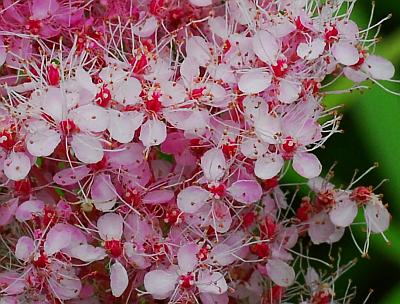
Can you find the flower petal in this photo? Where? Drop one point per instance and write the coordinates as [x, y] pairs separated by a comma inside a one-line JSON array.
[[280, 273], [269, 166], [307, 165], [213, 164], [153, 133], [87, 149], [160, 283], [254, 82], [118, 279], [17, 166], [110, 226], [192, 198], [245, 191], [24, 248]]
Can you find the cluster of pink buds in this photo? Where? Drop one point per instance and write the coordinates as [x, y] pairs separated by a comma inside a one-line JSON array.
[[144, 147]]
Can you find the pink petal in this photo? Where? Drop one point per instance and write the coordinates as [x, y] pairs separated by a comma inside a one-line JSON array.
[[187, 257], [88, 253], [158, 197], [280, 273], [70, 176], [90, 118], [160, 283], [197, 48], [25, 248], [65, 285], [118, 279], [87, 149], [127, 91], [211, 282], [344, 212], [42, 9], [213, 164], [289, 91], [378, 67], [3, 52], [28, 209], [208, 298], [200, 3], [268, 166], [377, 216], [267, 127], [17, 166], [321, 228], [254, 82], [345, 53], [189, 71], [57, 238], [222, 219], [246, 191], [110, 226], [311, 51], [85, 81], [265, 46], [192, 198], [53, 102], [123, 125], [146, 28], [307, 165], [7, 211], [102, 189], [153, 133], [132, 155], [43, 142]]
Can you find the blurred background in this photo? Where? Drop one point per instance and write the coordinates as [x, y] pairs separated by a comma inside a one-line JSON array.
[[371, 124]]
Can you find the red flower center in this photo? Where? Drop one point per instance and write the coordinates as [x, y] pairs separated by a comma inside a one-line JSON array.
[[114, 248]]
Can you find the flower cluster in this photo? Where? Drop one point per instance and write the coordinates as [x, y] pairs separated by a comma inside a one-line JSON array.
[[144, 147]]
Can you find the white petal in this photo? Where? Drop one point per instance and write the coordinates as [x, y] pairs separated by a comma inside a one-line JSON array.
[[42, 143], [90, 118], [187, 257], [87, 148], [311, 51], [123, 125], [265, 46], [110, 226], [377, 216], [269, 166], [192, 198], [200, 3], [57, 238], [345, 53], [213, 164], [254, 82], [17, 166], [321, 228], [245, 191], [211, 282], [146, 28], [118, 279], [280, 273], [25, 248], [344, 212], [288, 91], [378, 67], [127, 91], [198, 50], [307, 165], [160, 283], [153, 133]]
